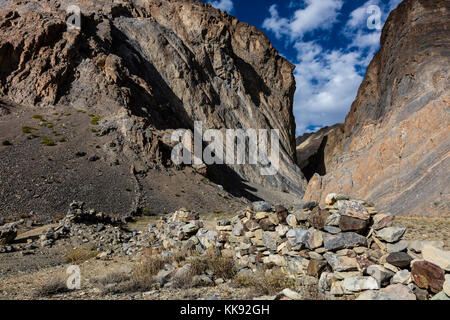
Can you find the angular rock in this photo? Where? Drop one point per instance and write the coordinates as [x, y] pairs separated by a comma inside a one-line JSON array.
[[441, 296], [297, 236], [379, 273], [347, 223], [282, 213], [341, 263], [8, 233], [427, 275], [391, 234], [343, 240], [270, 240], [400, 246], [261, 206], [402, 277], [307, 205], [333, 220], [332, 230], [282, 230], [437, 256], [289, 294], [316, 267], [353, 209], [399, 259], [357, 284], [382, 220], [291, 220], [238, 229], [314, 239], [317, 218], [267, 225], [252, 225]]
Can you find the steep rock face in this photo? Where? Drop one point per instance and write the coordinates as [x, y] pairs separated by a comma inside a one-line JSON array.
[[313, 150], [151, 67], [396, 143]]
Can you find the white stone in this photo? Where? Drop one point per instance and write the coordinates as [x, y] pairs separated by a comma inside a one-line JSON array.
[[357, 284], [437, 256]]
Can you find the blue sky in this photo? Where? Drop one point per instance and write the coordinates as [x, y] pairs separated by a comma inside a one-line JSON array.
[[331, 42]]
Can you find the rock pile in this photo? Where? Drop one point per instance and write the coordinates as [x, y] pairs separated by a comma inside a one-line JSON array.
[[79, 227], [348, 247]]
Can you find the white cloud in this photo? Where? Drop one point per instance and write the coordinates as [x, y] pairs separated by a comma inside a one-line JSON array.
[[318, 14], [327, 82], [226, 5]]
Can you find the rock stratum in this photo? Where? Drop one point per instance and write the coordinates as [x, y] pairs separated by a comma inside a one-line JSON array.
[[395, 146], [149, 67]]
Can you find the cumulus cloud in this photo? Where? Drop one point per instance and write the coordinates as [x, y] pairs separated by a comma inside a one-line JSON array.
[[317, 14], [226, 5], [328, 79], [327, 82]]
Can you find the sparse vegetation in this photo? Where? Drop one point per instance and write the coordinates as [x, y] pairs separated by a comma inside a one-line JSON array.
[[265, 283], [38, 117], [54, 286], [63, 139], [95, 119], [81, 254], [48, 142], [26, 129], [6, 143]]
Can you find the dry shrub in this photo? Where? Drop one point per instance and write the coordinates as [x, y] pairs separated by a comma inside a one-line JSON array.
[[265, 283], [54, 286], [81, 254]]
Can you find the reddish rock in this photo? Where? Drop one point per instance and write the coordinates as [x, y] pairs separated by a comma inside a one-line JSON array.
[[427, 275], [267, 225]]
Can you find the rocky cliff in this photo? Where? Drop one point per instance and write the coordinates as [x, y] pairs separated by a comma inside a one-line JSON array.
[[148, 67], [395, 146]]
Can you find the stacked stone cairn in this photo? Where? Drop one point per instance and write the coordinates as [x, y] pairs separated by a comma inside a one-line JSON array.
[[348, 247]]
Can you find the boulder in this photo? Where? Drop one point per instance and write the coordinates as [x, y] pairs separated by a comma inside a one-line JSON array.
[[391, 234], [270, 240], [427, 275]]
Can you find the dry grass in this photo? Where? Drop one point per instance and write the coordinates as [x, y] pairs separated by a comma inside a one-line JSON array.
[[81, 254], [424, 228], [54, 286], [265, 283]]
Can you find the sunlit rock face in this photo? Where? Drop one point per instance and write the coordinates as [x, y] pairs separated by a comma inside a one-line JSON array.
[[152, 66], [395, 146]]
